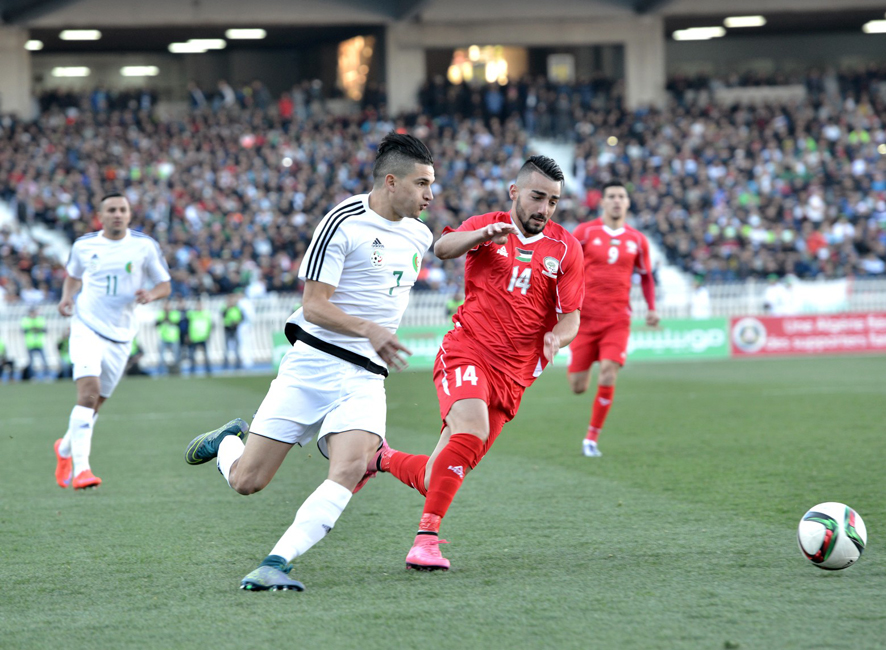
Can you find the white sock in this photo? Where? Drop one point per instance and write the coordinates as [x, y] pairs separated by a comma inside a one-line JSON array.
[[80, 430], [229, 450], [314, 519], [64, 449]]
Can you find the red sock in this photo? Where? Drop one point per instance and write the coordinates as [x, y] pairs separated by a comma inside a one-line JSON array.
[[602, 402], [462, 453], [409, 469]]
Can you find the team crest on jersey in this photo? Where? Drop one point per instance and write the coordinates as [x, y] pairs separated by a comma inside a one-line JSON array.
[[128, 267], [596, 241], [632, 246], [93, 263], [552, 265], [377, 259]]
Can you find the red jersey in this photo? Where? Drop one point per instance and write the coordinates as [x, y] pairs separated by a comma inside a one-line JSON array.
[[514, 291], [610, 259]]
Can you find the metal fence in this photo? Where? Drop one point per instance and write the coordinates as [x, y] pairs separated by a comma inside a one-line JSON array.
[[267, 314]]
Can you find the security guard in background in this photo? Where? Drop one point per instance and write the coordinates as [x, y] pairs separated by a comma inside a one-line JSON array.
[[199, 329], [65, 367], [232, 316], [452, 305], [34, 329], [6, 362], [170, 337]]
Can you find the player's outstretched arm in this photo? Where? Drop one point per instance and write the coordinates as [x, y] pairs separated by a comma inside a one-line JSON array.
[[160, 291], [456, 244], [562, 334], [319, 311], [70, 288]]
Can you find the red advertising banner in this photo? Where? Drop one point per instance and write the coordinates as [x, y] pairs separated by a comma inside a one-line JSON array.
[[826, 334]]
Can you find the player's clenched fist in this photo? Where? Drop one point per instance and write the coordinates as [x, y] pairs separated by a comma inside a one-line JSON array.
[[66, 307], [143, 296], [498, 232], [552, 346]]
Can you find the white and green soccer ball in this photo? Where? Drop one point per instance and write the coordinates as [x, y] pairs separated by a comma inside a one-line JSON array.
[[832, 536]]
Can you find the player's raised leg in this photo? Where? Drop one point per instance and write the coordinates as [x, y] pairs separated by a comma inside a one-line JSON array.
[[409, 469], [249, 467], [449, 464], [204, 447], [349, 454]]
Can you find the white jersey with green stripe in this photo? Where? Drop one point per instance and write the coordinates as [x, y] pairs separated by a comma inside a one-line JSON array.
[[112, 270], [371, 261]]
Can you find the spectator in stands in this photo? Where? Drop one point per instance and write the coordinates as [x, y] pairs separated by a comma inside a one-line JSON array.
[[197, 98], [728, 192]]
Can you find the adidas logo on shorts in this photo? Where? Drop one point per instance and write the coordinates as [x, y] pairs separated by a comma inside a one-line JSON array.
[[458, 469]]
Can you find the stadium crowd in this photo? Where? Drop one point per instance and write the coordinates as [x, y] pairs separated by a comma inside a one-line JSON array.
[[233, 187]]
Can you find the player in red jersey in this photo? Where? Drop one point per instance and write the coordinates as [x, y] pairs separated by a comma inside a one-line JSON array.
[[613, 251], [523, 287]]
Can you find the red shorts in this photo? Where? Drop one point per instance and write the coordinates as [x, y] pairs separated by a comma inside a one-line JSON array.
[[604, 341], [461, 373]]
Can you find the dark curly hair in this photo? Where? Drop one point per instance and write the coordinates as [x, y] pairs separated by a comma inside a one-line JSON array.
[[397, 154]]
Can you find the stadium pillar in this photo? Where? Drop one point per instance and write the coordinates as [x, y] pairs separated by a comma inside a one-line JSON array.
[[405, 69], [645, 66], [15, 73]]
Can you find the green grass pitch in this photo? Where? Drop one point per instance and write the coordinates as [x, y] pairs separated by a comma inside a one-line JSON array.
[[683, 535]]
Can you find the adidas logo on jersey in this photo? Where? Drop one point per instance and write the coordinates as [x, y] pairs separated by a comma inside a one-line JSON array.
[[458, 469], [503, 251], [377, 244], [596, 241]]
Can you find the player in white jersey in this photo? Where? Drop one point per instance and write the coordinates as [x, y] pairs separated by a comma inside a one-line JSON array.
[[363, 259], [107, 275]]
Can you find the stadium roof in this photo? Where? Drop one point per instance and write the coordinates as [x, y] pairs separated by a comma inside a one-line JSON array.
[[58, 13]]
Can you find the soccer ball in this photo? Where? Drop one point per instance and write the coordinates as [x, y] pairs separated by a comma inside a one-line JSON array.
[[832, 536]]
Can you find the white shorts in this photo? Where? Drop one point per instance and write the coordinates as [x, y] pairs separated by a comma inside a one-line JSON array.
[[316, 393], [95, 356]]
